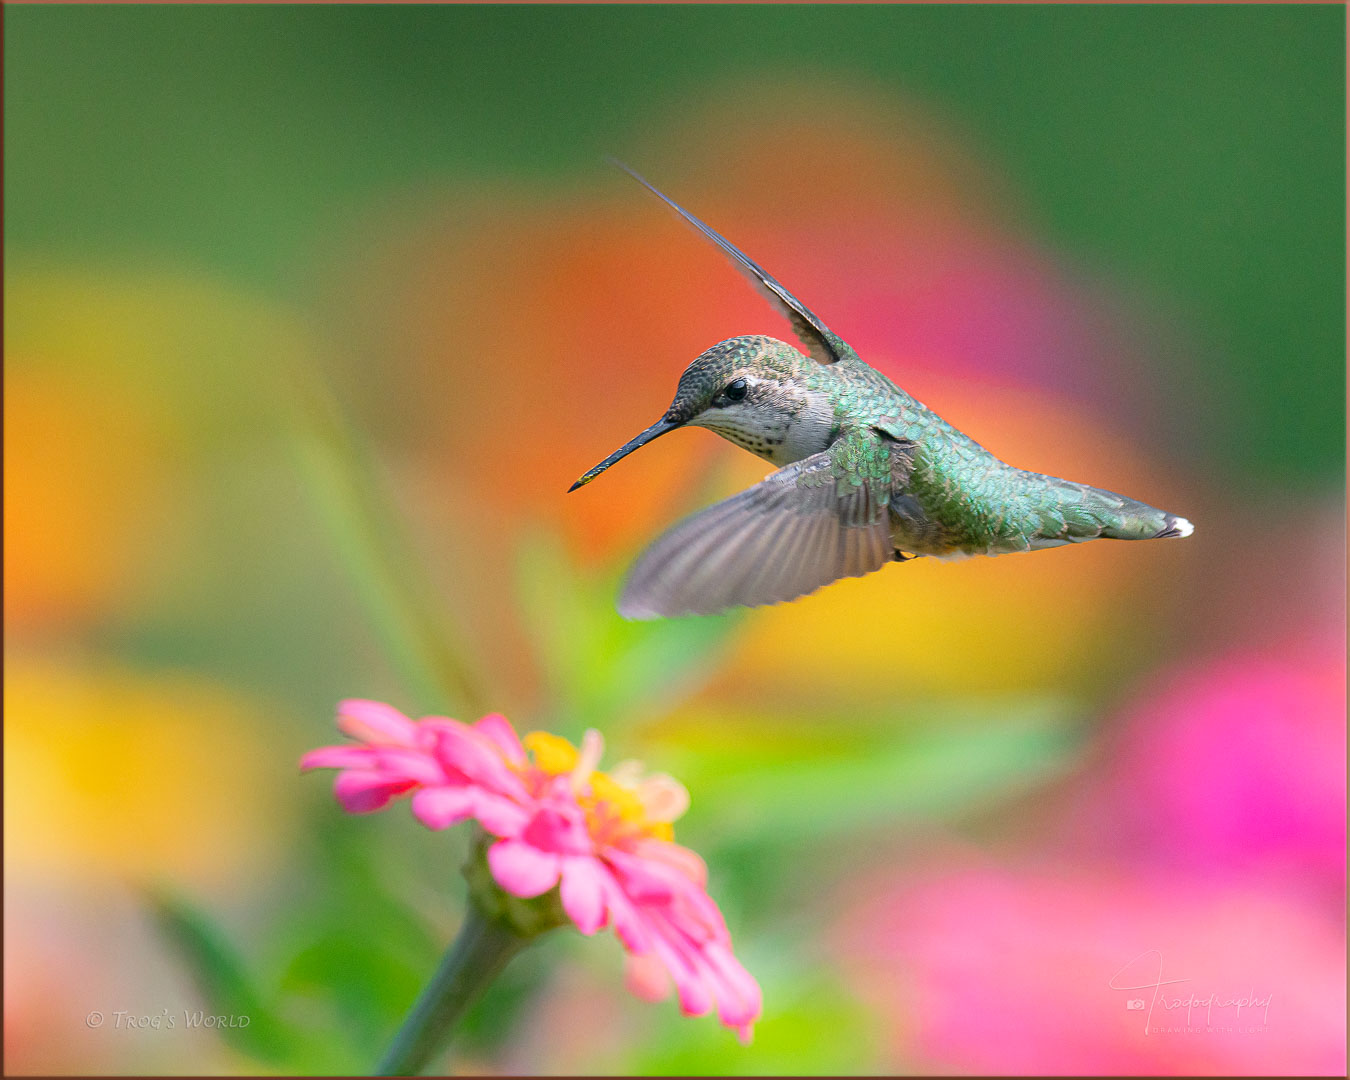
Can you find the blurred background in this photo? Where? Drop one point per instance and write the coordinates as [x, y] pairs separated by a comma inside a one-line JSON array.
[[313, 314]]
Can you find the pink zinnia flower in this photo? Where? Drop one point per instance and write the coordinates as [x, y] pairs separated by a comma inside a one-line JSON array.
[[1234, 767], [606, 841]]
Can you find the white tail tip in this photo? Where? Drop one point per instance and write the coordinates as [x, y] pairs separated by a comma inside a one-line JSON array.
[[1183, 527]]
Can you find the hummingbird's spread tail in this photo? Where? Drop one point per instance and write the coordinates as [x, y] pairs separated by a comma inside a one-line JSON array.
[[1176, 526], [1079, 512]]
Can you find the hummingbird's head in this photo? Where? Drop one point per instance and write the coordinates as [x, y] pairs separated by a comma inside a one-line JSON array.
[[750, 390]]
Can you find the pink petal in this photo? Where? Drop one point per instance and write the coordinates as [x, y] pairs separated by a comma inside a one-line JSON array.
[[362, 792], [560, 827], [645, 881], [521, 869], [497, 728], [673, 855], [375, 723], [441, 807], [695, 999], [693, 911], [663, 797], [656, 873], [409, 764], [646, 976], [738, 996], [588, 758], [473, 753], [629, 925], [337, 757], [583, 892], [499, 815]]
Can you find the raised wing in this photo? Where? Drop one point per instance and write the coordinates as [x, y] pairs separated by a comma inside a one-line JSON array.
[[820, 343], [812, 522]]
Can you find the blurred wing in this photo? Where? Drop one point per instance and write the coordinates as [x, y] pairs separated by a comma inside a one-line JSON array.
[[800, 528], [820, 343]]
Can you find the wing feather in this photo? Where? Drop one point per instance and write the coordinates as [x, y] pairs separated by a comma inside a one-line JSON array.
[[795, 531], [821, 344]]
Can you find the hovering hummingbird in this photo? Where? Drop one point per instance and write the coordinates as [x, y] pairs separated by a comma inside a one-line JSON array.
[[867, 475]]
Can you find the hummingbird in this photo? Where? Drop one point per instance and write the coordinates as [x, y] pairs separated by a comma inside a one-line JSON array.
[[866, 475]]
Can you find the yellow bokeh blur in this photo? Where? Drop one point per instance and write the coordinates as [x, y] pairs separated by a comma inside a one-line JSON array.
[[87, 479], [117, 388], [115, 774]]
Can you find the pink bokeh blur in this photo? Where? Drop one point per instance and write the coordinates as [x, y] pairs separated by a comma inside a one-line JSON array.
[[1206, 844]]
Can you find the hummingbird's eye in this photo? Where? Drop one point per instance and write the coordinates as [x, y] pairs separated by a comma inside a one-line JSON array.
[[736, 390]]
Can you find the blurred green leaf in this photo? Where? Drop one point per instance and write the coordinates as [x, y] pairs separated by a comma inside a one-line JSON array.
[[1208, 165], [346, 490], [367, 985], [604, 671], [811, 1026], [855, 772], [221, 978]]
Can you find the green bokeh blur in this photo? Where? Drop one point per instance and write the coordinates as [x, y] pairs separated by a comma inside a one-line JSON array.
[[1190, 148]]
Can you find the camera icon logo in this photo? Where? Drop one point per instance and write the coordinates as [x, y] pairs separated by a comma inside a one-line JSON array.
[[1135, 1004]]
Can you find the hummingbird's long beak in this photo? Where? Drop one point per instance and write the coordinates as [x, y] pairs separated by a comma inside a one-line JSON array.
[[655, 431]]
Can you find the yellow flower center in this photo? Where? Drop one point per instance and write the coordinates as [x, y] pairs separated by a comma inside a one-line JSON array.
[[613, 809]]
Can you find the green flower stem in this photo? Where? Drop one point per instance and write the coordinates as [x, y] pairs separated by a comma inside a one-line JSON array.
[[482, 949]]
